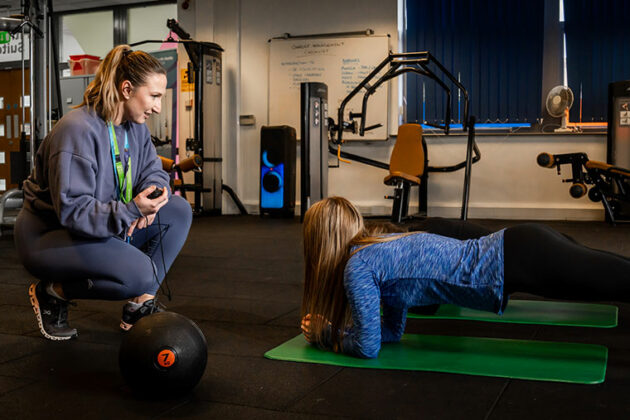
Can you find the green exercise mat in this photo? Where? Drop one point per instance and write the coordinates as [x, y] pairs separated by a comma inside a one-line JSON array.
[[506, 358], [535, 312]]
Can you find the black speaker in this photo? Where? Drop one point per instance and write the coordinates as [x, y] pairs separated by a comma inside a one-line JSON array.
[[277, 170]]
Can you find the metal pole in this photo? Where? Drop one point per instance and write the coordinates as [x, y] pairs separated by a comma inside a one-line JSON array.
[[45, 86], [469, 150], [31, 42], [38, 73], [23, 67], [48, 67], [54, 54], [198, 136]]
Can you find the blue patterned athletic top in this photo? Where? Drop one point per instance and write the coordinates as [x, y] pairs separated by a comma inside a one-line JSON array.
[[415, 270]]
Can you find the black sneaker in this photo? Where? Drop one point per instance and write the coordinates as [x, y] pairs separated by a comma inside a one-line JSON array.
[[51, 313], [130, 316]]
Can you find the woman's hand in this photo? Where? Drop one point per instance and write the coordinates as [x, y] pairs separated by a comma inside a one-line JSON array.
[[147, 206], [140, 223], [306, 327]]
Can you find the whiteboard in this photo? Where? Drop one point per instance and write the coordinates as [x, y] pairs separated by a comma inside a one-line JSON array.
[[341, 63]]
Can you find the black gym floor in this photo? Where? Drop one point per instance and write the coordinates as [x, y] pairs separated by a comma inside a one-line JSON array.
[[239, 278]]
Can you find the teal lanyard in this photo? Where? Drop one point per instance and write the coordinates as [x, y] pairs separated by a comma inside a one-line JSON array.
[[122, 177]]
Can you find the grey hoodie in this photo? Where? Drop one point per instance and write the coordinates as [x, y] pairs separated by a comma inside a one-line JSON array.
[[74, 174]]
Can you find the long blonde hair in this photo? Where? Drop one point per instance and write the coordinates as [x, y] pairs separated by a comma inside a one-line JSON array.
[[332, 227], [120, 64]]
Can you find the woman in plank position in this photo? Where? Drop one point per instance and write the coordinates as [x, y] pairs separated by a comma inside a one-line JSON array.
[[350, 271]]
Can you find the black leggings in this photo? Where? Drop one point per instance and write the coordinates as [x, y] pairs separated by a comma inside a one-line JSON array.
[[544, 262], [110, 268], [541, 261]]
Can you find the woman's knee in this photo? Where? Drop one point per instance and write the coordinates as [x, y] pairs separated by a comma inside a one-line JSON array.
[[133, 276], [179, 212], [144, 282]]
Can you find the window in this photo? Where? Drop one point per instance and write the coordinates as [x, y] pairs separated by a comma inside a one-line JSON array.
[[86, 33], [494, 47], [137, 18], [597, 53], [96, 32]]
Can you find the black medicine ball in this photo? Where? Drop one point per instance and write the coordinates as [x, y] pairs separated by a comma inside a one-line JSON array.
[[164, 354]]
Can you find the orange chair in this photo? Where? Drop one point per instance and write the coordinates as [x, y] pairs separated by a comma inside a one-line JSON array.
[[407, 167]]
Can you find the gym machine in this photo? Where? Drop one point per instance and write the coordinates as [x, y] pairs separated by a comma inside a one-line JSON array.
[[36, 21], [193, 163], [610, 184], [205, 71], [419, 63], [314, 148]]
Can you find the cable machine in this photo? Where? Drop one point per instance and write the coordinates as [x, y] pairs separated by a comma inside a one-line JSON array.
[[205, 71], [43, 62]]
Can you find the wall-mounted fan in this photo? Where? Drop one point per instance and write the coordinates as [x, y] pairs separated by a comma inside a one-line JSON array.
[[559, 101]]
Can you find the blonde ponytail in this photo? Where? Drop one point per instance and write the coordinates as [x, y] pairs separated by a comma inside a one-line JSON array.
[[120, 64]]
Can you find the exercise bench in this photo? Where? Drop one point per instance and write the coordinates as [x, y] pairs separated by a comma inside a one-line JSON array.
[[610, 184]]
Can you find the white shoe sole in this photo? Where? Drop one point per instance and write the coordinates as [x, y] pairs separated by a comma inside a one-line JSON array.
[[35, 304]]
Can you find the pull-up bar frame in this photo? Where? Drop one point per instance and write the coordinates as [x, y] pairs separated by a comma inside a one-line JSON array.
[[401, 63]]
